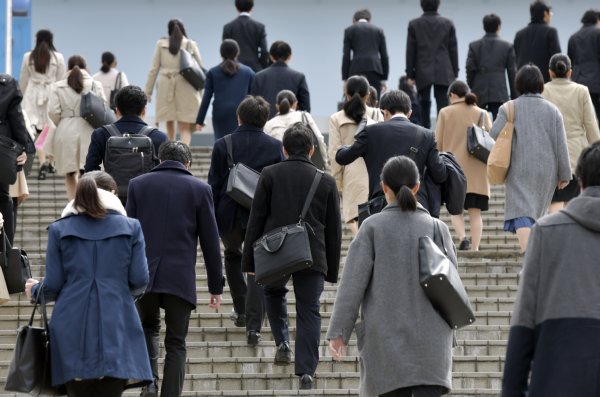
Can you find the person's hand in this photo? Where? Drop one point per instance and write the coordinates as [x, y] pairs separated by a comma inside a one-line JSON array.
[[199, 127], [22, 158], [29, 285], [562, 184], [337, 348], [251, 274], [215, 302], [411, 81], [149, 97]]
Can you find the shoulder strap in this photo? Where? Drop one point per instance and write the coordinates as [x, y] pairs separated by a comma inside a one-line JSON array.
[[229, 145], [112, 130], [304, 118], [311, 193], [510, 111], [118, 81], [146, 130], [414, 149], [482, 119]]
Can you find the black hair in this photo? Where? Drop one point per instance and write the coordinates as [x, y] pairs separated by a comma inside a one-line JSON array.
[[86, 196], [229, 52], [406, 87], [362, 14], [357, 87], [131, 100], [373, 98], [280, 50], [560, 64], [41, 53], [588, 166], [537, 9], [401, 174], [175, 151], [254, 111], [430, 5], [298, 140], [75, 79], [176, 32], [107, 60], [284, 100], [529, 80], [590, 17], [462, 90], [395, 101], [491, 23], [244, 5]]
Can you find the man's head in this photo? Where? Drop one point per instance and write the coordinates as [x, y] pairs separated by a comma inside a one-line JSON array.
[[175, 151], [588, 166], [491, 23], [590, 17], [280, 51], [131, 100], [362, 14], [254, 111], [298, 141], [540, 12], [430, 5], [394, 102], [244, 5]]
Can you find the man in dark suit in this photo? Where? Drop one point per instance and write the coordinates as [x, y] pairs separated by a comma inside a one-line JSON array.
[[395, 136], [538, 41], [250, 36], [175, 210], [431, 57], [279, 76], [278, 201], [489, 61], [255, 149], [365, 52]]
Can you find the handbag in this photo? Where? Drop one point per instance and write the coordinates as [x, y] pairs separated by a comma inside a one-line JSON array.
[[371, 207], [9, 151], [242, 180], [317, 158], [190, 70], [113, 92], [285, 250], [479, 141], [499, 160], [15, 266], [441, 282], [95, 111], [29, 370]]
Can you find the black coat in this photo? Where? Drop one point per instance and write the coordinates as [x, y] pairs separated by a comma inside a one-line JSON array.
[[278, 202], [536, 43], [250, 146], [12, 124], [279, 76], [584, 51], [489, 61], [431, 50], [252, 39], [378, 142], [364, 51]]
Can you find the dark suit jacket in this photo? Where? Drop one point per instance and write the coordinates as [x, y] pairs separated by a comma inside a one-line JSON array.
[[250, 146], [252, 39], [489, 60], [278, 202], [175, 209], [12, 124], [536, 43], [378, 142], [584, 51], [431, 50], [364, 51], [279, 76]]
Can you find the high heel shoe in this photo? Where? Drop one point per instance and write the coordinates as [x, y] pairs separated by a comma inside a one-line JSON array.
[[43, 172], [51, 168]]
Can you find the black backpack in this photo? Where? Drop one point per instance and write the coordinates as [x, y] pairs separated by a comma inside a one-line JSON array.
[[128, 155]]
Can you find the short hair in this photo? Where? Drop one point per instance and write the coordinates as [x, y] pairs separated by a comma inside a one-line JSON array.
[[491, 23], [254, 111], [244, 5], [362, 14], [298, 140], [529, 80], [430, 5], [537, 9], [588, 166], [175, 151], [131, 100], [280, 50], [395, 101], [590, 17]]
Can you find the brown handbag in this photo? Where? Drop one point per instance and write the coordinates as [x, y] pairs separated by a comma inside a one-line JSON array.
[[500, 155]]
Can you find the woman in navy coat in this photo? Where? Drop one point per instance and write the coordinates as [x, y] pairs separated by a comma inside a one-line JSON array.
[[229, 82], [95, 264]]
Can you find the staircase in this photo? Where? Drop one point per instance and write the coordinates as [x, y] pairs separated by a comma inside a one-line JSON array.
[[220, 363]]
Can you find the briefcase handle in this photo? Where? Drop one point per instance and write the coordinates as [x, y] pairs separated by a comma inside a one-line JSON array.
[[265, 242]]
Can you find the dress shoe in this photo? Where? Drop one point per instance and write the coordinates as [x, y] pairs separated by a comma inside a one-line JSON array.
[[238, 319], [465, 244], [150, 391], [306, 382], [253, 338], [283, 356], [44, 169], [51, 168]]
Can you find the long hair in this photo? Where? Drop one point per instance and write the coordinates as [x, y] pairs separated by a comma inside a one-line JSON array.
[[87, 199], [176, 32], [357, 87], [41, 53], [75, 79], [400, 174], [229, 52], [462, 90], [285, 100], [107, 60]]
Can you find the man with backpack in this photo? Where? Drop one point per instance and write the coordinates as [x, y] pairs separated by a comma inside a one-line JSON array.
[[129, 147]]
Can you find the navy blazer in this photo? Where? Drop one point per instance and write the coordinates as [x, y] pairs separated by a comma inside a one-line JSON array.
[[176, 209], [252, 39], [364, 51], [250, 146], [536, 43]]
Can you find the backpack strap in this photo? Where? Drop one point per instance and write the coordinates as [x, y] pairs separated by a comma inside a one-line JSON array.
[[229, 146], [414, 149], [146, 130], [112, 130], [311, 193]]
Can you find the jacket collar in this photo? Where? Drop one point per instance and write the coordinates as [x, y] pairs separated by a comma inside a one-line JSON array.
[[491, 35], [108, 200], [248, 128], [171, 165], [431, 13], [304, 159], [131, 119], [280, 64], [585, 209], [559, 80]]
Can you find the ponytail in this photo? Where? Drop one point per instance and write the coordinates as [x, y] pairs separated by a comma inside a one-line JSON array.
[[230, 67], [229, 52], [108, 58], [355, 108], [75, 79], [87, 199], [284, 106], [470, 99], [560, 64], [462, 90], [176, 34], [400, 174], [406, 199], [285, 100]]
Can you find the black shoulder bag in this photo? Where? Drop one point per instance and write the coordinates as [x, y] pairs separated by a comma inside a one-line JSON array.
[[15, 266], [479, 141], [242, 180], [190, 70], [94, 110]]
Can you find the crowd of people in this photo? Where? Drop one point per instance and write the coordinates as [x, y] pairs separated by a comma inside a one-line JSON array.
[[382, 156]]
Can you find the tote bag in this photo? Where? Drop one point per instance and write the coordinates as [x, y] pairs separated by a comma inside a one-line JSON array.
[[500, 155]]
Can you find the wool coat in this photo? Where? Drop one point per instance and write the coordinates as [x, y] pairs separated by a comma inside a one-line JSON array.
[[584, 51], [176, 99], [536, 43], [451, 136], [70, 141], [402, 340], [575, 104], [352, 180], [539, 157], [36, 87], [554, 345]]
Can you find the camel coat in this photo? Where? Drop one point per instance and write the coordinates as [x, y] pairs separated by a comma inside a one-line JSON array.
[[70, 141], [451, 136], [176, 99], [352, 180]]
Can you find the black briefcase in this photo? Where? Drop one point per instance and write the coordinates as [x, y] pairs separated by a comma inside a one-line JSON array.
[[15, 266], [95, 111], [190, 70], [479, 141], [242, 180], [9, 151]]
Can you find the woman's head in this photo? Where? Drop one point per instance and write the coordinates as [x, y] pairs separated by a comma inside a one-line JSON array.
[[285, 101], [86, 196], [529, 80], [41, 53], [373, 98], [75, 79], [588, 166], [176, 32], [357, 91], [400, 181], [229, 52], [560, 66], [108, 61], [461, 90]]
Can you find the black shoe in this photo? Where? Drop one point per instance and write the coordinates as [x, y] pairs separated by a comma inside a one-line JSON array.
[[253, 338], [150, 391], [238, 319], [283, 356], [465, 244], [51, 168], [43, 171], [306, 382]]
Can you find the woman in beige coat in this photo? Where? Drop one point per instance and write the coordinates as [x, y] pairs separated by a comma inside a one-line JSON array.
[[451, 136], [70, 141], [352, 180], [575, 104], [176, 99]]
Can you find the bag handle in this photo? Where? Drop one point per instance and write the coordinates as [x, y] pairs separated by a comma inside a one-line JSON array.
[[482, 119], [311, 194], [265, 244], [229, 146], [41, 300]]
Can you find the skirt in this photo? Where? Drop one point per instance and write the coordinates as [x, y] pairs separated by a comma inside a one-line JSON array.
[[512, 225], [568, 193], [474, 200]]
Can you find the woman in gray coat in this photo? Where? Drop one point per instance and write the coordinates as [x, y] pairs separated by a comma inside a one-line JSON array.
[[539, 160], [404, 344]]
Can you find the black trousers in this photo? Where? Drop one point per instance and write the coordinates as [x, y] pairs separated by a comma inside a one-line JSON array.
[[417, 391], [308, 286], [177, 320], [105, 387], [596, 102], [374, 80], [493, 108], [6, 208], [440, 92]]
